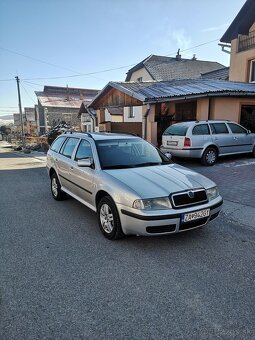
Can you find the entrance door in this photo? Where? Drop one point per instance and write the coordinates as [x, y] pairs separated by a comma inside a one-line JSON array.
[[248, 117]]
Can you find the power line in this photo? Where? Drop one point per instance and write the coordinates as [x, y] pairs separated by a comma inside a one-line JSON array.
[[90, 73], [27, 93]]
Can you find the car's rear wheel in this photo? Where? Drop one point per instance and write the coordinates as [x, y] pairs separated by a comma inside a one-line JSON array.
[[209, 156], [108, 219], [56, 191]]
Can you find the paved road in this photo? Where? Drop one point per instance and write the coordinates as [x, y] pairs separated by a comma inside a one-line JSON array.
[[61, 279], [235, 177]]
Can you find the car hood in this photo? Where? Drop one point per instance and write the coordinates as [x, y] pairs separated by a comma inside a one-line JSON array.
[[160, 181]]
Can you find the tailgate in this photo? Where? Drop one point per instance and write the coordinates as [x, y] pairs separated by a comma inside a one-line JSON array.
[[173, 142]]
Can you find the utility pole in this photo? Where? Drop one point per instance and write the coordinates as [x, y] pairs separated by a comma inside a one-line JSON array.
[[20, 112]]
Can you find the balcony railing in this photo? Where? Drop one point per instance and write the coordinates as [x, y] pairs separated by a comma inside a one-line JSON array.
[[246, 42]]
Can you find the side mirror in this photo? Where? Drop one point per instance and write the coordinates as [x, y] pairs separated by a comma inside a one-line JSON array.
[[168, 155], [248, 132], [85, 163]]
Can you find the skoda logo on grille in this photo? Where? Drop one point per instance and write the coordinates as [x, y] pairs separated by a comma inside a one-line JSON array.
[[191, 194]]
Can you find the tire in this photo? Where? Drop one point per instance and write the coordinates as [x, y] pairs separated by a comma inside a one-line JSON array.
[[56, 191], [108, 219], [209, 157]]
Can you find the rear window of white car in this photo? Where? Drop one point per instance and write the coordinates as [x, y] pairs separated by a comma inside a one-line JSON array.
[[219, 128], [176, 130]]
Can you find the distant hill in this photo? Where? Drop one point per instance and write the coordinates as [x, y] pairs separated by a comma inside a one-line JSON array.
[[6, 119]]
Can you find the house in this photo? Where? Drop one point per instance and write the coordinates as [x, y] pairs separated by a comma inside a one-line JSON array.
[[30, 122], [166, 102], [57, 104], [167, 90], [162, 68], [240, 38], [170, 68]]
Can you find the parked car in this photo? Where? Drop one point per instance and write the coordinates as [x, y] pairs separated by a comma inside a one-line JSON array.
[[133, 187], [207, 140]]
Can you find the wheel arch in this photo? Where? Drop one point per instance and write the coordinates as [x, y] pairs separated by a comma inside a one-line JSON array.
[[52, 171], [99, 195], [211, 146]]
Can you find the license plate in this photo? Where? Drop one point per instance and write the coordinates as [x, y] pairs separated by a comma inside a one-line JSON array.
[[172, 143], [196, 215]]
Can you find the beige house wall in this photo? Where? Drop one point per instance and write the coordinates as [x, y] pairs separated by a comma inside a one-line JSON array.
[[141, 73], [202, 108], [240, 61], [229, 108]]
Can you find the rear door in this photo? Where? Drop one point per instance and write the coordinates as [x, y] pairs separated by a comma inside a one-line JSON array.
[[65, 162], [174, 136], [242, 140], [83, 177], [222, 138]]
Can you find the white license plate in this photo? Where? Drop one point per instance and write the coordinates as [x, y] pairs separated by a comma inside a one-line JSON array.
[[196, 215], [172, 143]]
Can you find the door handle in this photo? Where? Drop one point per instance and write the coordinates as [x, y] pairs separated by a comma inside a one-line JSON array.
[[71, 167]]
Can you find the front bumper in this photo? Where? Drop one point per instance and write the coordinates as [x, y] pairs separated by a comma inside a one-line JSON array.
[[139, 222]]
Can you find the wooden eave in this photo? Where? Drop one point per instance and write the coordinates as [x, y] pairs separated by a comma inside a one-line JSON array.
[[112, 97]]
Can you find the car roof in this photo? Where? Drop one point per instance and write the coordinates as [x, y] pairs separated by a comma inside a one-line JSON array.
[[193, 122], [100, 135]]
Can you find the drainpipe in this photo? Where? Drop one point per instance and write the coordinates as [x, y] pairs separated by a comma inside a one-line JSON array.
[[209, 109], [145, 121]]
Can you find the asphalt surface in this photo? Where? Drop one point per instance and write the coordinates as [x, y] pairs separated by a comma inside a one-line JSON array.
[[61, 279]]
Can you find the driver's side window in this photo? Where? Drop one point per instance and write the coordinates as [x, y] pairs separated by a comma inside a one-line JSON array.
[[84, 151]]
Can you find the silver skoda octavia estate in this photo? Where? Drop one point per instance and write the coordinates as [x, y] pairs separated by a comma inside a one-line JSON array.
[[131, 185]]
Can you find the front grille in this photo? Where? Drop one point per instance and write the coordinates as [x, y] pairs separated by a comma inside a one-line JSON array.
[[189, 198], [193, 224], [161, 229]]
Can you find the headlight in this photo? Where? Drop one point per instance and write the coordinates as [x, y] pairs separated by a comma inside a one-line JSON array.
[[152, 204], [212, 193]]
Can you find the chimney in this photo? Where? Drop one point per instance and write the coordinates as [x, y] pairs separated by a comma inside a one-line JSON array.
[[178, 56], [194, 57]]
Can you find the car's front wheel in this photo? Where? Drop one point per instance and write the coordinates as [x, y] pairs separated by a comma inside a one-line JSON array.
[[56, 191], [108, 219], [209, 156]]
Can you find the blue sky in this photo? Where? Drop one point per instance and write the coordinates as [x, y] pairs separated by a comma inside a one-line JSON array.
[[80, 36]]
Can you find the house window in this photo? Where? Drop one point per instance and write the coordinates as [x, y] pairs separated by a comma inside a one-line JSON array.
[[131, 112], [252, 71], [140, 79]]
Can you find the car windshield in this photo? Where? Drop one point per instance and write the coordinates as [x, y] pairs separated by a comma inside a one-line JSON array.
[[176, 130], [128, 153]]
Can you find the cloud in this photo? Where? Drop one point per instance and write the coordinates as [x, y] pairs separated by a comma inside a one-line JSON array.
[[216, 28], [180, 37]]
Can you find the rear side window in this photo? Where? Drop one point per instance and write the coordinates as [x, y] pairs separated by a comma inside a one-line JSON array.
[[69, 147], [236, 128], [219, 128], [56, 145], [202, 129], [176, 130]]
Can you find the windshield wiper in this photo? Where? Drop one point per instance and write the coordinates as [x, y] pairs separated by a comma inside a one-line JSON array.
[[147, 164], [118, 166]]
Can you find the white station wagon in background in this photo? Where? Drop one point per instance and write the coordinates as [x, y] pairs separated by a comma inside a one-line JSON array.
[[132, 186], [207, 140]]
